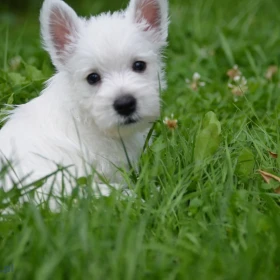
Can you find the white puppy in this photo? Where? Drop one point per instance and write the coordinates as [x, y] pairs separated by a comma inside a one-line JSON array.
[[105, 91]]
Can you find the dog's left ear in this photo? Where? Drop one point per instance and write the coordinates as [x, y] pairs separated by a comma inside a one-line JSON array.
[[151, 15], [59, 28]]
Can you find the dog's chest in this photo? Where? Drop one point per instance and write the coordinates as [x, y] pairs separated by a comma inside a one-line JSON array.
[[105, 154]]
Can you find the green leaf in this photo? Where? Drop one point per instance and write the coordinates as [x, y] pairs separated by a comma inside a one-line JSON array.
[[33, 73], [10, 100], [211, 118], [194, 206], [16, 78], [226, 46], [245, 163], [158, 145], [82, 181], [207, 139]]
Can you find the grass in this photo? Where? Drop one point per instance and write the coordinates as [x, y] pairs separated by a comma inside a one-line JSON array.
[[214, 216]]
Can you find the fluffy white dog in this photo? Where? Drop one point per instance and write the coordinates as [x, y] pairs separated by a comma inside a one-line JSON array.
[[105, 91]]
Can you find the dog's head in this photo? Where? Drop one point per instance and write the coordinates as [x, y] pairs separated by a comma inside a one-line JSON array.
[[112, 61]]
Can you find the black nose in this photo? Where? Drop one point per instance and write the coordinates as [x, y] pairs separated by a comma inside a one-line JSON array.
[[125, 105]]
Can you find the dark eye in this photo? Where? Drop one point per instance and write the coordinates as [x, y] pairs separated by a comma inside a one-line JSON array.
[[93, 78], [139, 66]]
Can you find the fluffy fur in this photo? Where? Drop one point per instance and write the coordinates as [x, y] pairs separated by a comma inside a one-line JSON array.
[[73, 123]]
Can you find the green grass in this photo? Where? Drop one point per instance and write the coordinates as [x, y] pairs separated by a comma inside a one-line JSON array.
[[214, 217]]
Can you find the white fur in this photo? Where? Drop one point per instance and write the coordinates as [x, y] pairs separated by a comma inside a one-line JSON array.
[[73, 123]]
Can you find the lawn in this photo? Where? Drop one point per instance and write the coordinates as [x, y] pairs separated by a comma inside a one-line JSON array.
[[203, 210]]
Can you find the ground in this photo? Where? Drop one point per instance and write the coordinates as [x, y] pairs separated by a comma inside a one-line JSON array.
[[214, 216]]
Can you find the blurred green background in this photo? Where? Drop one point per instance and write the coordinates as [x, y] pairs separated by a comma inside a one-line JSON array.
[[20, 6]]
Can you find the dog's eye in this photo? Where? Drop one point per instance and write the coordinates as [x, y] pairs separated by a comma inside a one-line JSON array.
[[139, 66], [93, 78]]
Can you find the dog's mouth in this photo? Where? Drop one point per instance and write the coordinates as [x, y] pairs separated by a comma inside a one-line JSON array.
[[136, 119], [129, 121]]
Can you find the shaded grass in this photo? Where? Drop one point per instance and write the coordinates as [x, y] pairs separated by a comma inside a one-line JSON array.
[[220, 222]]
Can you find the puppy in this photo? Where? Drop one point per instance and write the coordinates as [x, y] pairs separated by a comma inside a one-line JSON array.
[[98, 106]]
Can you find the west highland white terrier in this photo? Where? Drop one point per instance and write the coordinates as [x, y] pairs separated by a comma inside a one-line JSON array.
[[103, 97]]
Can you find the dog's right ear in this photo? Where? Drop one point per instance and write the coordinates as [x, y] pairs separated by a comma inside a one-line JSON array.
[[59, 30]]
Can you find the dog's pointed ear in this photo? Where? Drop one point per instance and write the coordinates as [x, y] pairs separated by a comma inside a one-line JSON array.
[[59, 30], [151, 15]]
